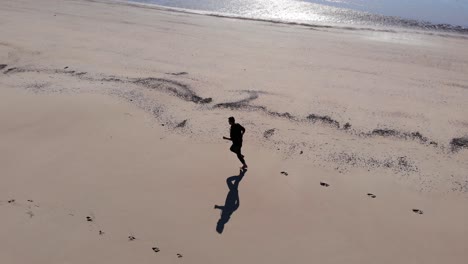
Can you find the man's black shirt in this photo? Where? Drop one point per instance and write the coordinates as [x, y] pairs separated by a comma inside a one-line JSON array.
[[236, 134]]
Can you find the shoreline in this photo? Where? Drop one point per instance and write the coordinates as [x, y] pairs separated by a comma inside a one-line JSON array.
[[413, 26]]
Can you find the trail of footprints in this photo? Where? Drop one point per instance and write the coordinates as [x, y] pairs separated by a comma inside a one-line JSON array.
[[371, 195], [156, 249], [88, 219]]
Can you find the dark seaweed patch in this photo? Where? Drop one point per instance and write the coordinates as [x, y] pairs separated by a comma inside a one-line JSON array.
[[177, 73], [417, 135], [3, 66], [11, 70], [324, 119], [182, 124], [283, 115], [111, 79], [242, 104], [458, 143], [385, 132], [180, 90], [268, 133], [405, 135]]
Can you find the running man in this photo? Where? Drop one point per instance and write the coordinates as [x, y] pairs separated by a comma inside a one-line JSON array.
[[237, 131]]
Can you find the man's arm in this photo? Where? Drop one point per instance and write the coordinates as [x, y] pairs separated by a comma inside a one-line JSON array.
[[242, 129], [226, 138]]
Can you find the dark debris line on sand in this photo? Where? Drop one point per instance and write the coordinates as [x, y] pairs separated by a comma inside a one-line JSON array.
[[186, 93], [405, 135], [244, 104], [179, 89], [324, 119], [399, 164], [11, 70], [177, 73]]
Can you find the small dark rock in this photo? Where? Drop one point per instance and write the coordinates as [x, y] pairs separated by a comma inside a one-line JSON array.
[[182, 124]]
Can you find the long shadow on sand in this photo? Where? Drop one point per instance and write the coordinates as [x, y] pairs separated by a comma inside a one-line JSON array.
[[232, 200]]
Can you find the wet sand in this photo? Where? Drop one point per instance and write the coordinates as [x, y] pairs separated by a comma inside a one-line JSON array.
[[112, 117]]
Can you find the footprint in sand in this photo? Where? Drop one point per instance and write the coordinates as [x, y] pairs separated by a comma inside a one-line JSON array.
[[371, 195], [11, 201], [89, 219], [30, 201], [101, 233], [324, 184], [284, 173], [179, 255], [131, 238], [417, 211], [155, 249], [30, 213]]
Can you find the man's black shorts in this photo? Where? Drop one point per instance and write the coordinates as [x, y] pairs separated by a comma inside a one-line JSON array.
[[236, 148]]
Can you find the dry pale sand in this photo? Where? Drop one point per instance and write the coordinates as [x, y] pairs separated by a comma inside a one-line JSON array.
[[111, 125]]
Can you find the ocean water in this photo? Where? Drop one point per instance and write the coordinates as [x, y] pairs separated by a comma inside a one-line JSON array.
[[447, 15]]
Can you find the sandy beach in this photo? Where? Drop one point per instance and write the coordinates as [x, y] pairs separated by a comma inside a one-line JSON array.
[[111, 151]]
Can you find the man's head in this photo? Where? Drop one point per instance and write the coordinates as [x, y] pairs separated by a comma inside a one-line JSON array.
[[231, 120]]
